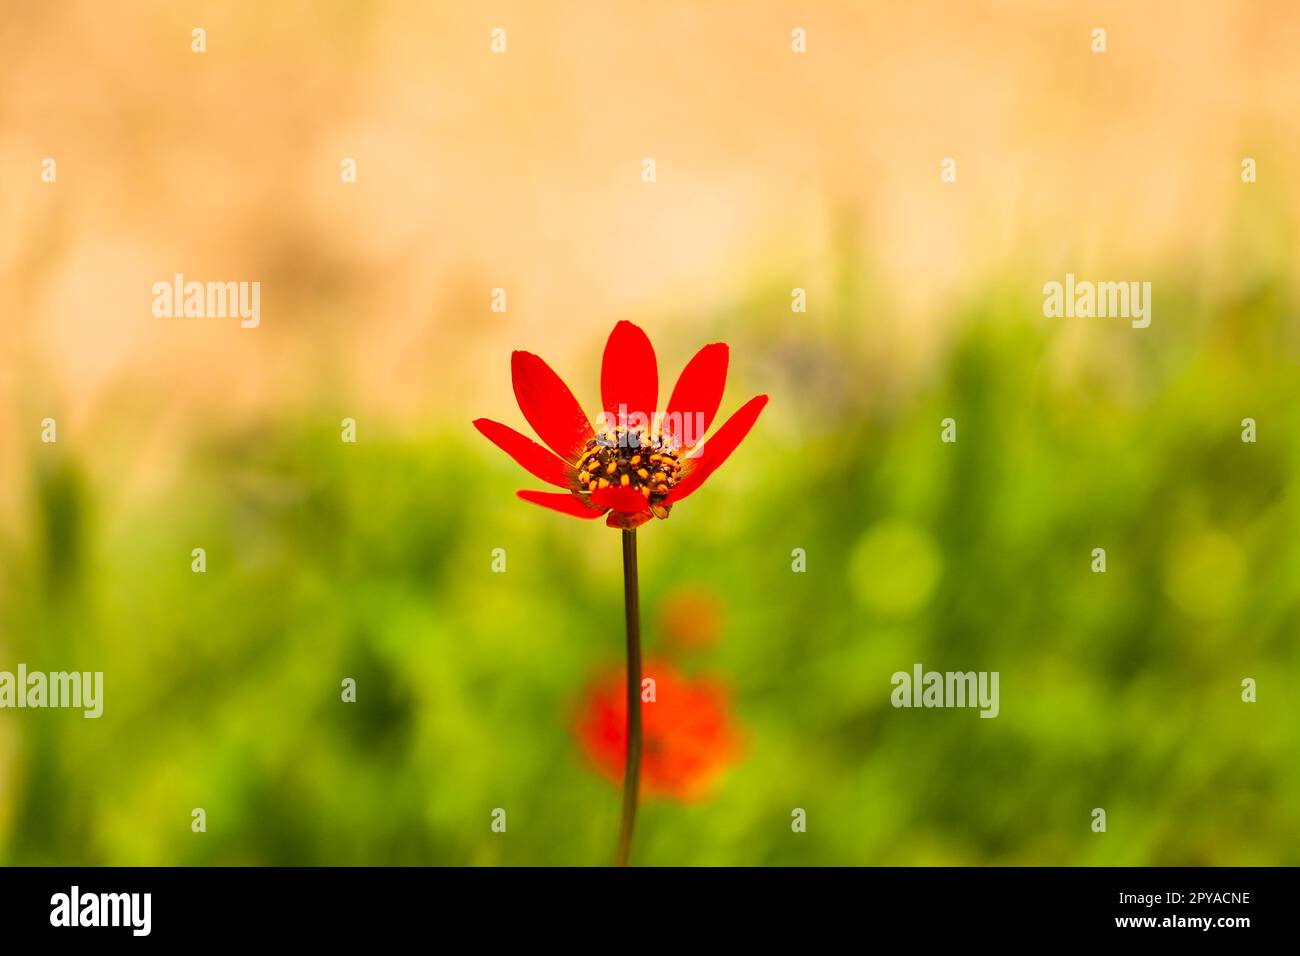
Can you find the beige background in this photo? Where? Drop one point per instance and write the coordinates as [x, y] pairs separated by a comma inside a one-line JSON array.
[[522, 171]]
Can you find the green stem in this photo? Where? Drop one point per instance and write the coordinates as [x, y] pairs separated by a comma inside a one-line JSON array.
[[632, 769]]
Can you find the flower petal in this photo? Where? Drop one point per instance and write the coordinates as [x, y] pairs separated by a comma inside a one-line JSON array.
[[719, 445], [627, 521], [697, 395], [629, 375], [549, 406], [531, 456], [565, 504], [620, 498]]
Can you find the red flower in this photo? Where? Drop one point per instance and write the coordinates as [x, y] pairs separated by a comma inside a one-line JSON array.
[[643, 460], [688, 736], [692, 617]]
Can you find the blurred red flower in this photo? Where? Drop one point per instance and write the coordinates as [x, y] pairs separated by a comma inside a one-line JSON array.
[[645, 459], [689, 736], [691, 617]]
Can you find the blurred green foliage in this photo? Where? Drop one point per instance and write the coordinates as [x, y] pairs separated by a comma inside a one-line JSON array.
[[373, 561]]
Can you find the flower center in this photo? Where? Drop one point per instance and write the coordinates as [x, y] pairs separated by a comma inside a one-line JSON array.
[[633, 459]]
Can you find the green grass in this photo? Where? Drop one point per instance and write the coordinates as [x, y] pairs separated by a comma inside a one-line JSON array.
[[373, 561]]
